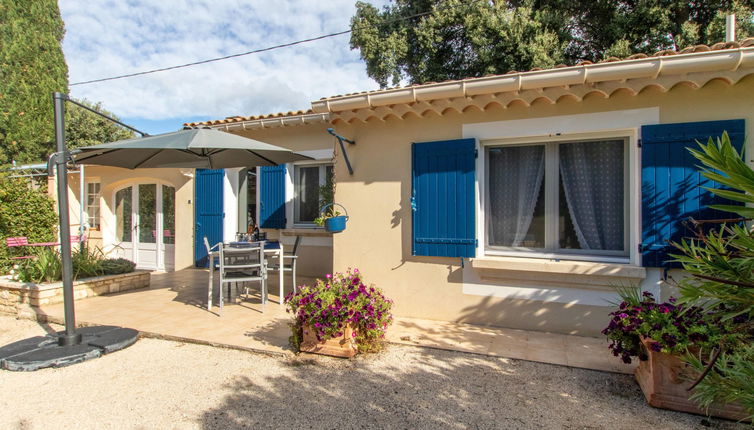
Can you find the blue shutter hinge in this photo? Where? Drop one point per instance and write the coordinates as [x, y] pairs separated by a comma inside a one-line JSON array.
[[413, 203], [476, 243], [638, 143], [461, 262], [641, 247], [476, 153]]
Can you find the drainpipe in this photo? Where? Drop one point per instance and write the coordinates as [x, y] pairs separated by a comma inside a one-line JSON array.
[[82, 197], [730, 28]]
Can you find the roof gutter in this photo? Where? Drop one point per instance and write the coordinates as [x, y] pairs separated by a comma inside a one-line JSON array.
[[651, 67], [282, 121]]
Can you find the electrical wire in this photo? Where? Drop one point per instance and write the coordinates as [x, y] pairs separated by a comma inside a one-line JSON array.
[[256, 51]]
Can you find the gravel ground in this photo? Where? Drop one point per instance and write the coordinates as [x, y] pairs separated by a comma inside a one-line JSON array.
[[169, 385]]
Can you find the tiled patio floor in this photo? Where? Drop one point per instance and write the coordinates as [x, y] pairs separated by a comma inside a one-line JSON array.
[[174, 307]]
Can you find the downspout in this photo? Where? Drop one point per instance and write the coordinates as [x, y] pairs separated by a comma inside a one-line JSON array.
[[82, 197]]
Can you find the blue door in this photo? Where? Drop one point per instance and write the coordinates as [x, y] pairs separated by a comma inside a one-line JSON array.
[[208, 204]]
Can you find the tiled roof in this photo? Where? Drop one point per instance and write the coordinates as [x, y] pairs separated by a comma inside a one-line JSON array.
[[691, 49], [236, 119], [321, 107]]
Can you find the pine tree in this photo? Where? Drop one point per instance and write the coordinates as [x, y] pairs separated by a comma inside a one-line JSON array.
[[32, 66]]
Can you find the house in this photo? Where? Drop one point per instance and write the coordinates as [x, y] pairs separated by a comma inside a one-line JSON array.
[[519, 200]]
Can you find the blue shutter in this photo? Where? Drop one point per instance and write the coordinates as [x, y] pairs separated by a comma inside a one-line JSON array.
[[442, 198], [671, 185], [272, 196], [208, 207]]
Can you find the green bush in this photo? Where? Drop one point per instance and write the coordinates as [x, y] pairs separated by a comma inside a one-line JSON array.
[[25, 210], [46, 266]]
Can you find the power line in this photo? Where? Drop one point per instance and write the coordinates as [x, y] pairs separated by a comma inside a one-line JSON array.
[[256, 51], [180, 66]]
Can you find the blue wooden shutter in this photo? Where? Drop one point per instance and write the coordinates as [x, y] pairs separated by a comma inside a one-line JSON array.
[[671, 185], [272, 196], [208, 211], [442, 198]]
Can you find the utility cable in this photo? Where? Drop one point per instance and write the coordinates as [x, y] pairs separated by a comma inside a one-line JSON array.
[[256, 51]]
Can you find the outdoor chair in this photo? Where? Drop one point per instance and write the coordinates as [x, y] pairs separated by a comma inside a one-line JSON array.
[[18, 242], [212, 254], [242, 264], [289, 262]]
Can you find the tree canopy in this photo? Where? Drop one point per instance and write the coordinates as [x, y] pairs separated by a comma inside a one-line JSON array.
[[436, 40], [83, 128], [32, 66]]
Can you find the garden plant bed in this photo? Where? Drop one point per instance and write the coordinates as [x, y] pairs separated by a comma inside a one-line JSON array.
[[16, 295], [664, 379]]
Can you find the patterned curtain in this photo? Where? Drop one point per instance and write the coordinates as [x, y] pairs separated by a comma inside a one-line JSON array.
[[515, 180], [592, 175]]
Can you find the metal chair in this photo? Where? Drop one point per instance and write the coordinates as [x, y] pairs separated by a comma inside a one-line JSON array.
[[289, 262], [243, 264], [212, 254]]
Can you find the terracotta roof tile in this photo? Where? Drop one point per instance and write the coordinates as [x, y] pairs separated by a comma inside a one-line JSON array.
[[233, 119], [691, 49]]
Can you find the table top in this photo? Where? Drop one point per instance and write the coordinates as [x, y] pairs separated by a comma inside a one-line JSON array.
[[268, 245]]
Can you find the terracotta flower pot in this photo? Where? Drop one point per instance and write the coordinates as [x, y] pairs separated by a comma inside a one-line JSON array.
[[664, 379], [342, 346]]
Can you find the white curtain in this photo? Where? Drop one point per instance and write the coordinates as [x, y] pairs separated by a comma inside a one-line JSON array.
[[592, 176], [515, 180]]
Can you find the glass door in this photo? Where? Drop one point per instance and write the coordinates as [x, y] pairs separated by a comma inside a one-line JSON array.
[[145, 225]]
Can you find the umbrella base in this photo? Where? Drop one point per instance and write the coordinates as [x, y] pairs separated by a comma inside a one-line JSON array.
[[58, 350]]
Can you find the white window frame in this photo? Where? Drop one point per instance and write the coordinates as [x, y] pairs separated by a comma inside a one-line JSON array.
[[294, 176], [552, 199], [625, 122], [98, 204]]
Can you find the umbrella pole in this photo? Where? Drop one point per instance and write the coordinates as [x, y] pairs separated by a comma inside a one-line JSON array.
[[70, 337]]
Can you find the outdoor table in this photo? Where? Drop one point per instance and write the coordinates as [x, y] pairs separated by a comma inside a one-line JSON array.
[[270, 248]]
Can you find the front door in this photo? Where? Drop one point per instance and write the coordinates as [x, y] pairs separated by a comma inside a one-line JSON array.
[[209, 212], [145, 225]]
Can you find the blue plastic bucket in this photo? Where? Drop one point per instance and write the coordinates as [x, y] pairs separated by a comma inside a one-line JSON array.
[[335, 224]]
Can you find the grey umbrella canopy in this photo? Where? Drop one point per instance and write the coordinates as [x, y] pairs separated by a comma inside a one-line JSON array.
[[201, 148]]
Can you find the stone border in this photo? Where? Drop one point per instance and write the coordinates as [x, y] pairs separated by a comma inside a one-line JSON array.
[[15, 297]]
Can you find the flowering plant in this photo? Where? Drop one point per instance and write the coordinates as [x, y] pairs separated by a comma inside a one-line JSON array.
[[341, 299], [673, 328]]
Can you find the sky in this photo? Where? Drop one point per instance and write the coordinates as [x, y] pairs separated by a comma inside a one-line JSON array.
[[115, 37]]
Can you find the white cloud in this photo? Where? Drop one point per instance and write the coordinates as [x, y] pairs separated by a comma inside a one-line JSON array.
[[115, 37]]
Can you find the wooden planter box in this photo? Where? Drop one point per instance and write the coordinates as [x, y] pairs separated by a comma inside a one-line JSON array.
[[343, 346], [664, 379]]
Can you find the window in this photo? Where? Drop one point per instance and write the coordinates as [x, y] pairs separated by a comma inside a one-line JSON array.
[[92, 204], [308, 183], [558, 198]]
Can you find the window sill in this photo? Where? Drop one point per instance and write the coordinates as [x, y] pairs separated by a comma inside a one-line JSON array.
[[313, 231], [563, 273]]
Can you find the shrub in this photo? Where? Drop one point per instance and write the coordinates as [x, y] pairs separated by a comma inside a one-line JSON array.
[[25, 210], [338, 300], [47, 265], [116, 266]]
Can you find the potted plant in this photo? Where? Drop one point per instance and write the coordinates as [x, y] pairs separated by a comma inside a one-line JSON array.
[[660, 335], [331, 218], [339, 316]]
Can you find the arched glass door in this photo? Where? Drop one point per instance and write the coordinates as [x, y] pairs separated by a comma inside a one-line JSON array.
[[145, 225]]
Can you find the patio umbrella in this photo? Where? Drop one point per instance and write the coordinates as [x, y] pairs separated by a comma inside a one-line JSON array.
[[201, 148]]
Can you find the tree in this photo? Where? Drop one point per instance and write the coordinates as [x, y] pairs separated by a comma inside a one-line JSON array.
[[83, 128], [32, 66], [435, 40]]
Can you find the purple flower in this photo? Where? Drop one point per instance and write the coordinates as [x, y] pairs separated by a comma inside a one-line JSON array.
[[655, 346]]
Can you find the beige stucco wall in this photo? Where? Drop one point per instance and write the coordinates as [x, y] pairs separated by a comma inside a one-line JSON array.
[[112, 179], [315, 251], [378, 237]]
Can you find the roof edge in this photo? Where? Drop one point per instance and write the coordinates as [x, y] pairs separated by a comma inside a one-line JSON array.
[[650, 67]]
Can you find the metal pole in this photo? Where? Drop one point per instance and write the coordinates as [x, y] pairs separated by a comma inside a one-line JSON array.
[[70, 337], [730, 28]]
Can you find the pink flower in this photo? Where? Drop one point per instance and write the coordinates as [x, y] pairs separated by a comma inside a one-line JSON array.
[[328, 276]]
